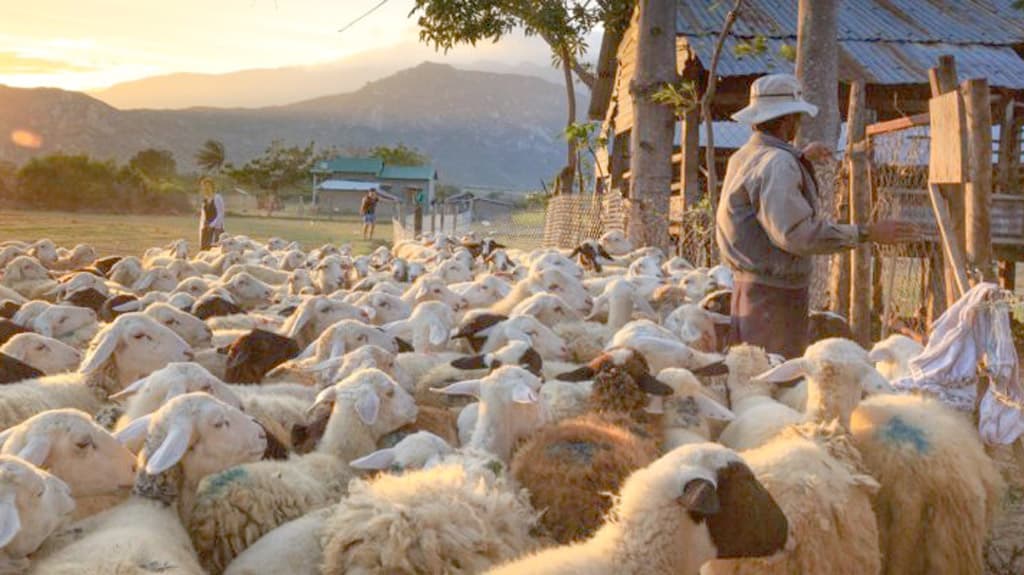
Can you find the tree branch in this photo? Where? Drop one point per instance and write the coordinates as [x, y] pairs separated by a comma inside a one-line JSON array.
[[705, 104], [584, 75]]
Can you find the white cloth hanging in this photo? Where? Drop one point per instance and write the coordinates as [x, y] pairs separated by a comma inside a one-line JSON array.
[[976, 327]]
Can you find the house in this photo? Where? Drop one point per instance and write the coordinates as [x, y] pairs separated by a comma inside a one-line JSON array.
[[340, 183]]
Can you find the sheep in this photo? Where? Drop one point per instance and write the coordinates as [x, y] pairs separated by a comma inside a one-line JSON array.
[[128, 349], [937, 483], [194, 286], [155, 280], [300, 283], [261, 273], [235, 508], [548, 309], [696, 327], [215, 303], [362, 357], [697, 503], [697, 284], [45, 354], [315, 315], [72, 325], [190, 437], [484, 292], [891, 356], [191, 329], [126, 271], [13, 370], [386, 307], [826, 324], [430, 288], [248, 292], [26, 276], [688, 411], [586, 339], [253, 355], [571, 468], [329, 275], [592, 255], [33, 504], [68, 444], [660, 347], [553, 281], [427, 328], [460, 515], [616, 243], [45, 251]]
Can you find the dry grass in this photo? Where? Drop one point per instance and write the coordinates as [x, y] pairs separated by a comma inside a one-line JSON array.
[[133, 234]]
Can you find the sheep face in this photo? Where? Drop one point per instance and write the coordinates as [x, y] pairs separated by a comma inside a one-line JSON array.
[[434, 289], [367, 356], [415, 451], [645, 266], [892, 356], [43, 353], [148, 394], [537, 335], [328, 275], [376, 399], [499, 262], [549, 309], [193, 286], [348, 335], [46, 252], [126, 271], [556, 261], [484, 292], [563, 285], [615, 243], [155, 280], [138, 346], [24, 268], [454, 271], [695, 326], [33, 504], [68, 444], [696, 284], [293, 260], [69, 324], [248, 291], [318, 313], [386, 307], [254, 354], [192, 329]]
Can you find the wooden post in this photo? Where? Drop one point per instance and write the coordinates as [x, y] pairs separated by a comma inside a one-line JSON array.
[[1008, 275], [1005, 115], [942, 79], [839, 283], [442, 207], [978, 191], [689, 144], [860, 210]]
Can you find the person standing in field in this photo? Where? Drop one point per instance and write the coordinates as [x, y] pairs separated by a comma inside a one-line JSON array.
[[769, 222], [211, 223], [368, 210]]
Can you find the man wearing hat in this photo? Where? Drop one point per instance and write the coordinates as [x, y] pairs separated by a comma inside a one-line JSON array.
[[769, 223]]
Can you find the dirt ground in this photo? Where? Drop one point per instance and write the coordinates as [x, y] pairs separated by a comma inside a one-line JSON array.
[[1004, 554]]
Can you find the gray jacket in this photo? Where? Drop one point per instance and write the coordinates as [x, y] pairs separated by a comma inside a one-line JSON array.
[[768, 220]]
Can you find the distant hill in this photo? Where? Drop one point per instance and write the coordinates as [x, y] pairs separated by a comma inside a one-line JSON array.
[[479, 128]]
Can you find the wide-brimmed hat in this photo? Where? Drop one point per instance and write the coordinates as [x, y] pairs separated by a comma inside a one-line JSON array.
[[774, 96]]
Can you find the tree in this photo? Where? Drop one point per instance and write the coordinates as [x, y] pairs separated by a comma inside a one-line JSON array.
[[562, 24], [582, 136], [211, 156], [154, 164], [279, 167], [400, 155], [650, 162]]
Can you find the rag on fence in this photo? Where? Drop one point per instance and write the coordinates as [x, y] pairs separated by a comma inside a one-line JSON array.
[[976, 327]]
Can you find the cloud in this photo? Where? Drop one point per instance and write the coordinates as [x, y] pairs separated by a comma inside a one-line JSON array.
[[15, 63]]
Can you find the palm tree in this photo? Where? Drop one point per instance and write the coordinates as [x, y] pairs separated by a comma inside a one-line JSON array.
[[211, 156]]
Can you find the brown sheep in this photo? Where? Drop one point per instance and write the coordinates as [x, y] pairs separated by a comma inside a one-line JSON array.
[[253, 355]]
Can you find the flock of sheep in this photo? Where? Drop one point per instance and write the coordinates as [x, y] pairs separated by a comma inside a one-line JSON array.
[[453, 406]]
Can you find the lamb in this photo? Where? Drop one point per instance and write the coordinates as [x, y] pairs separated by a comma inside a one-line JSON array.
[[552, 281], [33, 504], [528, 329], [235, 508], [696, 327], [907, 441], [571, 468], [688, 411], [459, 516], [45, 251], [261, 273], [43, 353], [891, 356], [385, 307], [697, 503], [26, 276], [248, 292], [194, 286], [155, 280], [74, 326], [128, 349], [428, 327], [484, 292], [191, 329], [430, 288], [300, 282], [548, 309], [126, 271], [80, 256], [660, 347], [335, 342], [315, 315], [68, 444], [329, 275], [191, 436]]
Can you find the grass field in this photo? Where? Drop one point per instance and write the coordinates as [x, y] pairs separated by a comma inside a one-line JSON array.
[[133, 234]]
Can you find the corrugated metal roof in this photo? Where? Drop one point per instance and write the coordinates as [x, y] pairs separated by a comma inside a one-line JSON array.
[[728, 135], [350, 165], [908, 63], [408, 173], [950, 21], [729, 64]]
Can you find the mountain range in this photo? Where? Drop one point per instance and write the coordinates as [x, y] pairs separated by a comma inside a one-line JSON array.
[[479, 128]]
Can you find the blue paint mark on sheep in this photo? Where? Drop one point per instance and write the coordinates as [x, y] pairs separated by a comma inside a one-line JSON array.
[[899, 431], [220, 481], [580, 451]]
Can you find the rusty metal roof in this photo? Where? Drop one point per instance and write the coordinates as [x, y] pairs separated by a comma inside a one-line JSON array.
[[882, 41]]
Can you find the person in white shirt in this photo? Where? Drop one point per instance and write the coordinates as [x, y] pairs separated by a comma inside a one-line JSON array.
[[211, 222]]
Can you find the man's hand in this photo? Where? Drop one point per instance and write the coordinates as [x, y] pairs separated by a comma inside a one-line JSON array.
[[893, 232], [817, 152]]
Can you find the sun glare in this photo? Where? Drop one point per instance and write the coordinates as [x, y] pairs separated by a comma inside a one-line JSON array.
[[26, 139]]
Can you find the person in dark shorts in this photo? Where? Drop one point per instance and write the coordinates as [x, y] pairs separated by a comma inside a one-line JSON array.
[[368, 210], [211, 222], [769, 223]]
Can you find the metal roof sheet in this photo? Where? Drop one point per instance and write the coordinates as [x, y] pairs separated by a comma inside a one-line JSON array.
[[350, 165], [993, 22], [408, 173]]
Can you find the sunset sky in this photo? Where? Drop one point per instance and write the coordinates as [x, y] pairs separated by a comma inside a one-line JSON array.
[[88, 44]]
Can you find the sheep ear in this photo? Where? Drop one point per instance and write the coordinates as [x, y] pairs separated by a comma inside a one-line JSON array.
[[301, 321], [716, 368], [10, 521], [700, 498], [172, 449], [108, 344], [324, 398], [133, 305], [789, 371], [582, 374], [403, 346], [380, 459], [468, 387], [470, 362], [575, 252], [603, 252], [711, 409], [132, 389], [368, 407], [651, 385], [134, 432], [144, 282], [437, 334], [36, 450], [720, 318], [522, 393], [880, 354], [337, 345]]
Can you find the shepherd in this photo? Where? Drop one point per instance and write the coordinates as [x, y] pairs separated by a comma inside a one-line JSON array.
[[368, 210], [769, 221], [211, 218]]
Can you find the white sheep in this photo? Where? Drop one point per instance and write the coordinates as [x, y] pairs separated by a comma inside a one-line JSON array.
[[549, 309], [315, 315], [485, 291], [688, 411], [248, 292], [43, 353], [892, 356], [427, 328], [554, 281], [329, 275], [191, 329], [25, 275], [386, 307], [235, 508], [155, 280], [431, 288], [697, 503], [129, 348], [695, 326], [660, 347], [190, 437], [72, 325], [33, 504], [126, 272]]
